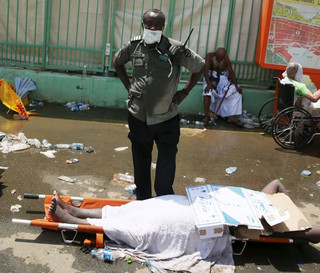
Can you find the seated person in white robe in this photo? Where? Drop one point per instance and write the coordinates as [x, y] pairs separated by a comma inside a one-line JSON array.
[[218, 69], [310, 101]]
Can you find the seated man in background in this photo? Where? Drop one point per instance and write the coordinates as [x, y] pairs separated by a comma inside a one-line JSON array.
[[293, 75], [216, 82]]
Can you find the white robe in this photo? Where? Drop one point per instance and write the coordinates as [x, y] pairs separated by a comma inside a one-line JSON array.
[[163, 229], [232, 104]]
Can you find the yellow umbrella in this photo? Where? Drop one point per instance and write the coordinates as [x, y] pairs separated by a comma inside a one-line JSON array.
[[10, 99]]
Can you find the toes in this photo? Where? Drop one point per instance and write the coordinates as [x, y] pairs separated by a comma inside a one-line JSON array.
[[53, 206]]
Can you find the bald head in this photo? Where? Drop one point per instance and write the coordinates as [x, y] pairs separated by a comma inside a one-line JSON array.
[[221, 53]]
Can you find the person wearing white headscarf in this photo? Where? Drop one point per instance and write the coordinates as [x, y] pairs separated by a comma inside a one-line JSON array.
[[293, 74]]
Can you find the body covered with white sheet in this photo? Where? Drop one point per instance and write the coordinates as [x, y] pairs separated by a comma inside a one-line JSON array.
[[163, 229]]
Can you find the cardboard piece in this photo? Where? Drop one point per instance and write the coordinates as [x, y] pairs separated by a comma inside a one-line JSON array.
[[252, 212], [281, 201]]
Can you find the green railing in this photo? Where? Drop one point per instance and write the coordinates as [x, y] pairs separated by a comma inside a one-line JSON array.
[[55, 34], [232, 24], [76, 34]]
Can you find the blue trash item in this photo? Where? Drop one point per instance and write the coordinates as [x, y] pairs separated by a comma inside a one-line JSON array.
[[24, 86]]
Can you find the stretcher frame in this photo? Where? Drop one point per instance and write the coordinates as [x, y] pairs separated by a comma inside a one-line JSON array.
[[90, 202], [85, 202]]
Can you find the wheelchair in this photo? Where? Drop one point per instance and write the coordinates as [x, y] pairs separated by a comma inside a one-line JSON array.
[[291, 126]]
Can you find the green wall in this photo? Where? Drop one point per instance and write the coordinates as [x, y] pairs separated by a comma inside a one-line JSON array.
[[108, 91]]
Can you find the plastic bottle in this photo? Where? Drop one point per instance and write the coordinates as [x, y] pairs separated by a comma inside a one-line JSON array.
[[84, 107], [126, 177], [34, 142], [5, 146], [62, 146], [153, 267], [77, 146], [19, 117], [46, 144], [104, 254]]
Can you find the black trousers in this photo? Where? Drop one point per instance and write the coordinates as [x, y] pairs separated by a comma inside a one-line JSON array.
[[142, 136]]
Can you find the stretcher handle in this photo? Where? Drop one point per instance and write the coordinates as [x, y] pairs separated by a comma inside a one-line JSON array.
[[33, 196]]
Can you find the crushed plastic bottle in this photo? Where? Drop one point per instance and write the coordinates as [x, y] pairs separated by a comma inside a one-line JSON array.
[[83, 107], [305, 173], [184, 121], [104, 254], [34, 142], [231, 170], [126, 177], [153, 267], [62, 146], [77, 146], [46, 144]]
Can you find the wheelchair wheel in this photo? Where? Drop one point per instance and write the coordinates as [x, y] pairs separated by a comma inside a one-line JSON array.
[[266, 114], [293, 128]]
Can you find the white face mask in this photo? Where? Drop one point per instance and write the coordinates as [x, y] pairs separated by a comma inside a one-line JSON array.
[[151, 36]]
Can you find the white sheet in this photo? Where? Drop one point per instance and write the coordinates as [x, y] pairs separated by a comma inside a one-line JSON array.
[[163, 229]]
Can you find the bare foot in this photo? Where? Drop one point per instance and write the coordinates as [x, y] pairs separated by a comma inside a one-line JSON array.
[[60, 215], [56, 212], [65, 206]]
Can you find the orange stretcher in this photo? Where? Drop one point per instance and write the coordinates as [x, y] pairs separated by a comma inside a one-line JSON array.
[[98, 230], [64, 227]]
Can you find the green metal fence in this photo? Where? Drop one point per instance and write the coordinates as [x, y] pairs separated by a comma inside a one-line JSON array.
[[55, 34], [73, 34], [232, 24]]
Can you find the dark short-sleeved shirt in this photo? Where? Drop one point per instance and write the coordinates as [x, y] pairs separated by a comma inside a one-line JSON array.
[[155, 79]]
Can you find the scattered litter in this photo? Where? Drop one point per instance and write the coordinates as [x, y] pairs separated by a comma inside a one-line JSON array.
[[46, 144], [254, 183], [49, 153], [247, 120], [19, 197], [305, 173], [126, 177], [77, 106], [22, 137], [153, 166], [231, 170], [2, 135], [72, 160], [3, 169], [129, 261], [34, 142], [18, 147], [200, 180], [123, 180], [127, 126], [119, 149], [89, 149], [130, 187], [15, 208], [184, 121], [67, 179], [281, 178], [318, 172], [318, 183], [13, 191]]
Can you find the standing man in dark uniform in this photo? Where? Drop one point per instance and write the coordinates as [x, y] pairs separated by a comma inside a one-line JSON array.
[[153, 100]]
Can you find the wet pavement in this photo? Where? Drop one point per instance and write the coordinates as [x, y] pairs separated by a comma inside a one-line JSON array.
[[203, 157]]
